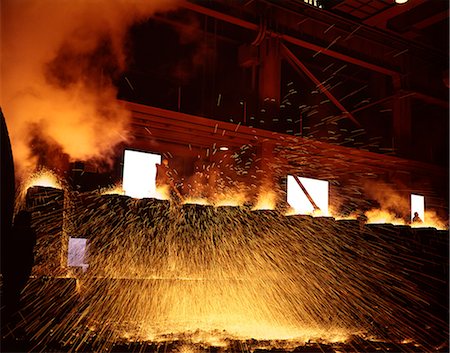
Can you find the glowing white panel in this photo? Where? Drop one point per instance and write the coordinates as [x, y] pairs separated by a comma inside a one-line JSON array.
[[418, 205], [76, 256], [139, 174], [296, 198], [317, 189]]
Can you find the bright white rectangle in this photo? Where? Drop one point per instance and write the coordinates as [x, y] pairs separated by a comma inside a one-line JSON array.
[[139, 173], [317, 190], [76, 256], [296, 198], [418, 205]]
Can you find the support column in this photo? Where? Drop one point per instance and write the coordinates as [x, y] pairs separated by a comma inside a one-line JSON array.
[[269, 81]]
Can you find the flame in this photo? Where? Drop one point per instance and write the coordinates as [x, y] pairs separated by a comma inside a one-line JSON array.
[[383, 216], [320, 213], [162, 192], [43, 177], [431, 219], [303, 211], [266, 200], [196, 201], [230, 198], [113, 190]]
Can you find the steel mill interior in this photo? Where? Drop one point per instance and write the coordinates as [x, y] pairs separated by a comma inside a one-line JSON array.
[[225, 176]]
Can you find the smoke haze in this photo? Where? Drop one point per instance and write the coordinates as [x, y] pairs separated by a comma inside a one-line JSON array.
[[59, 60]]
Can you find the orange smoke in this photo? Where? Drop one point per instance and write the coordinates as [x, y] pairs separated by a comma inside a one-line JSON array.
[[431, 219], [389, 197], [59, 59]]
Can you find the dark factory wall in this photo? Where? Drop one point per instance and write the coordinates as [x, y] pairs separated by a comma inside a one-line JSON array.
[[194, 63]]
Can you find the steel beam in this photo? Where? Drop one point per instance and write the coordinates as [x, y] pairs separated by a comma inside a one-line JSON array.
[[219, 15], [296, 41], [337, 55], [429, 99], [380, 19], [297, 64], [429, 21], [256, 136]]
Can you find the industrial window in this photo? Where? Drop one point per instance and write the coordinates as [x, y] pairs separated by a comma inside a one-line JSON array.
[[139, 173], [418, 205], [315, 3], [76, 256], [307, 196]]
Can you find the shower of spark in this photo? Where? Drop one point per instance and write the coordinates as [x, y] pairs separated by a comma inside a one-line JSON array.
[[43, 178], [160, 272]]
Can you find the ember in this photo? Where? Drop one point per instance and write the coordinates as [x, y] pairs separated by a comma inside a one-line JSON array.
[[212, 275]]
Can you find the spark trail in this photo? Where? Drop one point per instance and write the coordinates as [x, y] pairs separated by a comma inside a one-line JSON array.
[[161, 272]]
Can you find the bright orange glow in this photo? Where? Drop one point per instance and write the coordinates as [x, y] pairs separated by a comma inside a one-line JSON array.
[[162, 192], [266, 200], [232, 198], [45, 178], [431, 220], [239, 328], [114, 190], [382, 216], [196, 201], [79, 113]]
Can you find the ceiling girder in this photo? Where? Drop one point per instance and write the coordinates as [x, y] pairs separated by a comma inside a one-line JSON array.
[[297, 64], [296, 41], [380, 19]]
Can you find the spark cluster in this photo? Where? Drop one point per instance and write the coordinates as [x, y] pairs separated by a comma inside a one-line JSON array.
[[160, 271]]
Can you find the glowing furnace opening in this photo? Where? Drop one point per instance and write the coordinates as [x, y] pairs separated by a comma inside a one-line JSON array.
[[139, 173], [418, 205], [307, 195]]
